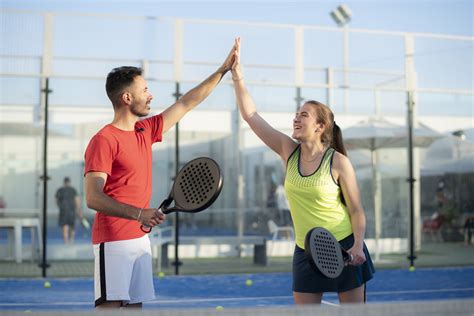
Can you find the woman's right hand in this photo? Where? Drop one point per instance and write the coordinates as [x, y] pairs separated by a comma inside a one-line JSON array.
[[236, 70]]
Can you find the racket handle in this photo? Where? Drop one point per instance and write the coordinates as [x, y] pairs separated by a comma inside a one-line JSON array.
[[346, 256]]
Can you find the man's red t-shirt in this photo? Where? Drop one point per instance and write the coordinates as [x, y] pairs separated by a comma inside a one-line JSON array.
[[126, 157]]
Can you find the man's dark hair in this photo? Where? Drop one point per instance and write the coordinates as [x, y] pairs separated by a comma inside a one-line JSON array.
[[118, 79]]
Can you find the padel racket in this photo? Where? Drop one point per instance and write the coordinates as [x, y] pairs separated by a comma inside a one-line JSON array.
[[325, 253], [85, 223], [196, 187]]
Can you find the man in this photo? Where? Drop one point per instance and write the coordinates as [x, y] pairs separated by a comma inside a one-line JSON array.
[[68, 203], [118, 180]]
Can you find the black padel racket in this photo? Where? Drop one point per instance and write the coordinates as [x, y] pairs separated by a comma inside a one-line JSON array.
[[325, 253], [195, 188]]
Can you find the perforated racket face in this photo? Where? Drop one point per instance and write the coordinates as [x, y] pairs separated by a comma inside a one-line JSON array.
[[197, 185], [325, 252]]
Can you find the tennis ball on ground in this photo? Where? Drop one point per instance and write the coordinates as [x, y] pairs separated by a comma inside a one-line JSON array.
[[47, 284], [161, 274], [411, 269], [248, 282], [219, 308]]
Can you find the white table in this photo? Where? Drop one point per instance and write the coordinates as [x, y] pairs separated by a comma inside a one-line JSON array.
[[17, 225]]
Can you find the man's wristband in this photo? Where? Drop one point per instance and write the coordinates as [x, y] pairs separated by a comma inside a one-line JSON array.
[[139, 214]]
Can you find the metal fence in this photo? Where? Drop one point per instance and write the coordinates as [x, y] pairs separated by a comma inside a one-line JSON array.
[[359, 73]]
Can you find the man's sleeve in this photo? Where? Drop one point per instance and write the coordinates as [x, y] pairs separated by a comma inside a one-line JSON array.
[[99, 155], [154, 124]]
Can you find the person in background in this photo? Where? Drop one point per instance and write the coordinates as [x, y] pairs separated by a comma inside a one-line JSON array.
[[69, 206], [282, 205], [3, 205]]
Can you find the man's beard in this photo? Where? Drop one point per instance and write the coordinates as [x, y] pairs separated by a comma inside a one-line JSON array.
[[137, 113]]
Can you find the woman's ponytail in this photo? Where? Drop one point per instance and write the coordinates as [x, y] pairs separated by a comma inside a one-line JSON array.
[[337, 142]]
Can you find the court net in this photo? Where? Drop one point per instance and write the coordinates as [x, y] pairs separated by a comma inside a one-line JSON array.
[[418, 308]]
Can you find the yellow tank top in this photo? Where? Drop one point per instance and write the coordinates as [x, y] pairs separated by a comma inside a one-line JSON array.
[[315, 200]]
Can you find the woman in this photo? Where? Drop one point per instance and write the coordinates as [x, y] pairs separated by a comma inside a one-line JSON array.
[[322, 191]]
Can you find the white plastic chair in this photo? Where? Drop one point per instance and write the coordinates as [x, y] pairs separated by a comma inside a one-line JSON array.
[[275, 229], [157, 240]]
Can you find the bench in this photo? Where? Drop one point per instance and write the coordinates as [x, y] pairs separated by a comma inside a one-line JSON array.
[[163, 237], [259, 244]]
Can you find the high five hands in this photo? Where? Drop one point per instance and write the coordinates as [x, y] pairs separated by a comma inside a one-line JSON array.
[[236, 70], [230, 59]]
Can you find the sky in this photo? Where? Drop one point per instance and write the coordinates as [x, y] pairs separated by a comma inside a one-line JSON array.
[[440, 64], [433, 16]]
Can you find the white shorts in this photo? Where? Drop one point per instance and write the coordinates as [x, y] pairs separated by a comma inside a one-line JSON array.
[[123, 271]]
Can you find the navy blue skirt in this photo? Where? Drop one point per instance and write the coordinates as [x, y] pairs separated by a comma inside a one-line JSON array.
[[308, 279]]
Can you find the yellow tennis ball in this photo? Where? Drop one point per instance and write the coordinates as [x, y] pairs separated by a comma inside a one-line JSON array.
[[47, 284], [161, 274], [248, 282], [219, 308], [411, 269]]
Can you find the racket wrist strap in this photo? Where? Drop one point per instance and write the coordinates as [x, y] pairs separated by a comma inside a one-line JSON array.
[[139, 214]]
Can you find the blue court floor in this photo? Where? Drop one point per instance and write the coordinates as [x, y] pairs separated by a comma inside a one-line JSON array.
[[266, 290]]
